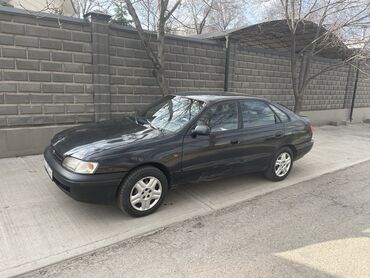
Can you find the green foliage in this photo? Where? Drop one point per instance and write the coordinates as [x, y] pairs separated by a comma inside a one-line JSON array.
[[120, 14]]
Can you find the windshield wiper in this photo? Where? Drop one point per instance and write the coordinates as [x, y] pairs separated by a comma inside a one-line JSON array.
[[152, 126], [143, 121]]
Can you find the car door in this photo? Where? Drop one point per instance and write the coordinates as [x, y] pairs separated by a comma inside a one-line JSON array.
[[261, 134], [213, 155]]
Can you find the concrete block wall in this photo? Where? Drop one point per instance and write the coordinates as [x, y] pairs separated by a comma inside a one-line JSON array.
[[191, 65], [59, 71], [263, 74], [363, 89], [45, 70], [267, 74], [327, 91]]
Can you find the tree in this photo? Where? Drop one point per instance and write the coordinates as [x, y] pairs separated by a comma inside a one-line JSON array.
[[85, 6], [200, 13], [333, 21], [200, 16], [196, 13], [120, 14], [227, 14], [157, 57]]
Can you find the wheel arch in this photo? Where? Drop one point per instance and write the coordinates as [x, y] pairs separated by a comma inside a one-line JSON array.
[[160, 166], [292, 148]]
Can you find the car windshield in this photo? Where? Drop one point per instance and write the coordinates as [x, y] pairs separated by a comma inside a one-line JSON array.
[[172, 113]]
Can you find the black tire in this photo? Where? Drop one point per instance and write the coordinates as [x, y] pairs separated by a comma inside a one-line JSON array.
[[270, 172], [126, 188]]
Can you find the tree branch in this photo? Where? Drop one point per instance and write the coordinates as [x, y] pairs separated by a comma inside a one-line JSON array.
[[141, 33], [169, 13]]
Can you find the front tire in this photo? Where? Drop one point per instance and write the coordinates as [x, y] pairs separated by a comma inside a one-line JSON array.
[[280, 166], [142, 191]]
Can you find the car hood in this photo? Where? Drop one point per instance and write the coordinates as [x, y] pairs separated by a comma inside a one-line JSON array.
[[92, 140]]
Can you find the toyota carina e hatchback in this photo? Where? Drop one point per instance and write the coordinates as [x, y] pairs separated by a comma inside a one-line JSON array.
[[135, 160]]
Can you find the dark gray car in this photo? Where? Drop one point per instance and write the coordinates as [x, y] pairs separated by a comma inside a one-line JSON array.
[[135, 160]]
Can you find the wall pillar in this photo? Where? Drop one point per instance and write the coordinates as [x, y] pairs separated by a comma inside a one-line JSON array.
[[100, 62]]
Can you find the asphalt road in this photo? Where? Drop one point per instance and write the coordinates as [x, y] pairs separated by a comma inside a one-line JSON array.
[[319, 228]]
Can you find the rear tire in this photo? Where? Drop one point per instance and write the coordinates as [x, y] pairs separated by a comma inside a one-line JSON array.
[[142, 191], [280, 165]]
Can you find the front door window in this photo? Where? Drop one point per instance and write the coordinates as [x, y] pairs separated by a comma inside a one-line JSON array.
[[221, 117]]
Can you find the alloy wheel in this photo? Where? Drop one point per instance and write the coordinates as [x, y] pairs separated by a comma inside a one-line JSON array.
[[282, 164], [146, 193]]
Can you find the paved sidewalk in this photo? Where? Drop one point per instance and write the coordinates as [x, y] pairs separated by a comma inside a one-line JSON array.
[[40, 225], [317, 228]]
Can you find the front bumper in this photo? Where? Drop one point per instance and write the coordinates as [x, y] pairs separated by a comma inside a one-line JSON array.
[[96, 188], [303, 149]]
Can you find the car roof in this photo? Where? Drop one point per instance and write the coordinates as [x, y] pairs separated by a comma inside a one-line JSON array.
[[213, 97]]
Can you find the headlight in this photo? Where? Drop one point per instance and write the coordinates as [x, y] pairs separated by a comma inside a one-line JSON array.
[[79, 166]]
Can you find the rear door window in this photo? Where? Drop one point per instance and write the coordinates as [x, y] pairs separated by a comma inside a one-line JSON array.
[[256, 113]]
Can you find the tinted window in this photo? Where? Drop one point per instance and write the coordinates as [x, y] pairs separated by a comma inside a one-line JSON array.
[[256, 113], [283, 117], [221, 117]]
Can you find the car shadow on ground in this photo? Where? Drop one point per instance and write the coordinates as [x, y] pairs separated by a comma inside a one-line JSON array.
[[205, 192]]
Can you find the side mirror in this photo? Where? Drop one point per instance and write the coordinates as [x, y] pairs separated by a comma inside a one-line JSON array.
[[201, 130]]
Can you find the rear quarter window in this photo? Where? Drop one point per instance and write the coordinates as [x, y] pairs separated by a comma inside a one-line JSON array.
[[282, 115]]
